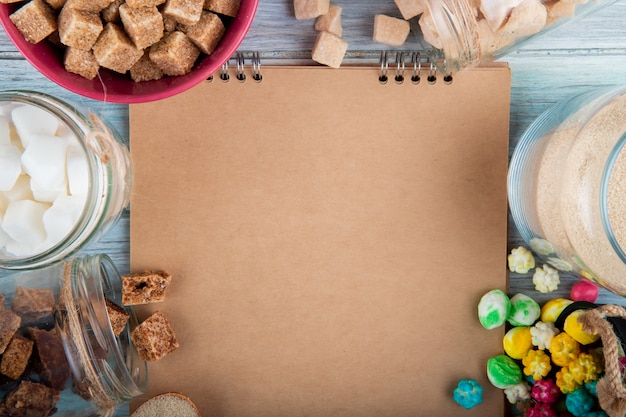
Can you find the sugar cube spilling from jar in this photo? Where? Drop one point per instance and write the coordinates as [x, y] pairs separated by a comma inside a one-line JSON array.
[[44, 180]]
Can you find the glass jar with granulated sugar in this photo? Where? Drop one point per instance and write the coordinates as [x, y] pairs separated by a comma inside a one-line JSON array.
[[65, 177], [65, 347], [467, 32], [567, 186]]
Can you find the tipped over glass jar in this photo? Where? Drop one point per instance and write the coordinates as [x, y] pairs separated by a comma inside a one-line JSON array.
[[65, 177], [567, 186], [65, 347], [466, 32]]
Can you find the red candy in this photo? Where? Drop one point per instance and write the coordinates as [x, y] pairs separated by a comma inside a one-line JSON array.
[[540, 410], [545, 391], [584, 290]]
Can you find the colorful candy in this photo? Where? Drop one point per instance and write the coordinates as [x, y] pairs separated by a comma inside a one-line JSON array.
[[546, 279], [553, 308], [517, 342], [524, 310], [564, 349], [540, 410], [468, 393], [579, 402], [503, 372], [493, 309], [575, 329], [545, 391], [584, 290], [542, 333], [586, 368], [536, 364], [567, 381], [518, 392], [521, 260]]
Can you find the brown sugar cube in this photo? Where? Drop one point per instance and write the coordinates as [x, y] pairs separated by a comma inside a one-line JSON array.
[[331, 21], [81, 62], [310, 9], [9, 323], [35, 20], [114, 50], [144, 25], [145, 287], [145, 70], [410, 8], [225, 7], [207, 33], [16, 356], [51, 354], [390, 30], [9, 2], [88, 5], [79, 29], [144, 3], [175, 54], [118, 317], [329, 49], [169, 24], [31, 399], [56, 4], [186, 12], [154, 337], [33, 304], [111, 13]]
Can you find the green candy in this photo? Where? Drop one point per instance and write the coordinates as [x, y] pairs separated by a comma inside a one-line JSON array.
[[493, 309], [503, 372], [524, 310]]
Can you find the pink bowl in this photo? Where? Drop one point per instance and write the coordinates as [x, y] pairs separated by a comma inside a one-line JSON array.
[[117, 88]]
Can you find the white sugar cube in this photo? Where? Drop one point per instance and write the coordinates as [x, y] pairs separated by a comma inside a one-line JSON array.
[[77, 170], [20, 249], [6, 109], [497, 11], [61, 217], [21, 190], [48, 194], [10, 166], [30, 119], [44, 160], [5, 131], [4, 238], [4, 202], [23, 221]]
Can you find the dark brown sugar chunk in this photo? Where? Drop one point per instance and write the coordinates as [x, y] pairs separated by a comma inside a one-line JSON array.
[[33, 304], [9, 323], [30, 399], [154, 337], [55, 369], [145, 287], [16, 356], [117, 316]]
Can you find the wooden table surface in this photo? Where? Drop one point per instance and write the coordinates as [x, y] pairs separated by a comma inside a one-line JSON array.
[[588, 52]]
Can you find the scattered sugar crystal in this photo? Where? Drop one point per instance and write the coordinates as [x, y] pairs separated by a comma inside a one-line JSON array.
[[5, 131], [21, 190], [23, 221], [31, 119], [11, 166], [77, 170], [44, 160]]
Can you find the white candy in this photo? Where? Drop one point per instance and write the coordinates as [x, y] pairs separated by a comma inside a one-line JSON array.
[[10, 166], [60, 219], [44, 160], [21, 190], [5, 131], [77, 170], [31, 119], [23, 221], [48, 194]]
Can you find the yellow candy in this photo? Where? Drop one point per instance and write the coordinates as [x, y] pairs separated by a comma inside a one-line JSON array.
[[573, 328], [553, 308], [517, 342]]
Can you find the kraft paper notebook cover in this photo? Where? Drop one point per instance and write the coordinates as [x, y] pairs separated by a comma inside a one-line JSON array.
[[329, 239]]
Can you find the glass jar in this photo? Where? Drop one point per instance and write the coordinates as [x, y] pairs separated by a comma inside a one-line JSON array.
[[466, 32], [73, 362], [74, 182], [567, 186]]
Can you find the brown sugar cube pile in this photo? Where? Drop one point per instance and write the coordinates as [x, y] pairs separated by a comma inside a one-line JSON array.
[[33, 304], [114, 50], [88, 5], [143, 25], [225, 7], [56, 4], [145, 70], [145, 287], [78, 28], [154, 337], [186, 12], [9, 324], [144, 3], [81, 62], [118, 317], [207, 33], [175, 54], [16, 357], [30, 399], [329, 49], [35, 20], [111, 13], [49, 347]]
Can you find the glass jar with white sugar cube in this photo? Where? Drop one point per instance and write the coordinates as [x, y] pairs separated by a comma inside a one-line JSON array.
[[65, 177], [467, 32]]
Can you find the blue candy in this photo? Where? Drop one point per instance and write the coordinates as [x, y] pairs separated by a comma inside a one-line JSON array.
[[468, 393], [579, 402]]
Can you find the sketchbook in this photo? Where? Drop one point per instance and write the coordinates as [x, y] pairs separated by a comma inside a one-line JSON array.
[[330, 233]]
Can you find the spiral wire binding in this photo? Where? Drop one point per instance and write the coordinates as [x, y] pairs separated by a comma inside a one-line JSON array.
[[419, 65]]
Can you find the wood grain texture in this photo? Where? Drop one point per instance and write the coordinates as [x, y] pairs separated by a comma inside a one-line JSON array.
[[587, 53]]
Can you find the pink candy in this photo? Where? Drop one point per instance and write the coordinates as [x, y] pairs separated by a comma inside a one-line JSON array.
[[545, 391], [540, 410], [584, 290]]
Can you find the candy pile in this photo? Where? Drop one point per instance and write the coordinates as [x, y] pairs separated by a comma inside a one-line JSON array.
[[44, 180]]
